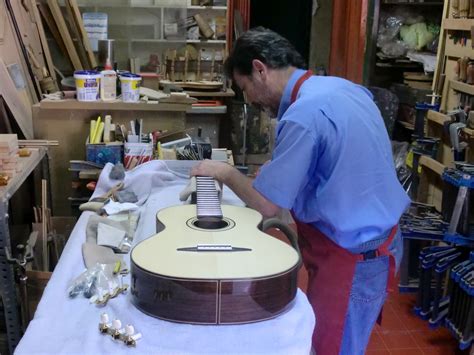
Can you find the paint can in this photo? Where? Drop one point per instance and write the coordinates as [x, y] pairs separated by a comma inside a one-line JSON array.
[[130, 85], [87, 85]]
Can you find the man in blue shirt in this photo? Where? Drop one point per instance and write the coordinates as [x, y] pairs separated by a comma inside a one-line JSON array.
[[332, 167]]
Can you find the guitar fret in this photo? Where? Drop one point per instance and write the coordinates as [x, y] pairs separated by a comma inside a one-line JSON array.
[[207, 201]]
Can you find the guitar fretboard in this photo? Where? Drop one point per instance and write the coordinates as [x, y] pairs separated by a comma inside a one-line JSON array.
[[207, 199]]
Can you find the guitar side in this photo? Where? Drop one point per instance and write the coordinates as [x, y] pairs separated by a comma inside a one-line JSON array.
[[213, 287]]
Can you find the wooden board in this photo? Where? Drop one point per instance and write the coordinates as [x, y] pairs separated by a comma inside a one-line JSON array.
[[457, 24], [76, 37], [430, 189], [63, 30], [77, 18], [440, 56], [44, 41], [10, 53], [204, 85], [3, 22], [48, 18], [112, 106], [29, 39], [448, 54], [13, 97]]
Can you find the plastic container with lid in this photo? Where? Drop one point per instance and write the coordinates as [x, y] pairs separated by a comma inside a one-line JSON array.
[[108, 85], [87, 85], [130, 85]]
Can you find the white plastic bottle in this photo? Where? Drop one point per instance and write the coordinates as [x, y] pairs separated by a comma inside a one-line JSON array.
[[108, 84]]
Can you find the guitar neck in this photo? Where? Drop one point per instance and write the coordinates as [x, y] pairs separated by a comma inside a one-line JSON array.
[[208, 204]]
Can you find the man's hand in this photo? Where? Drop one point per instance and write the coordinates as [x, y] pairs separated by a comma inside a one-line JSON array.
[[237, 182], [216, 169]]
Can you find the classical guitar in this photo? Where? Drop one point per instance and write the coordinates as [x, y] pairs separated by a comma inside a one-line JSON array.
[[210, 264]]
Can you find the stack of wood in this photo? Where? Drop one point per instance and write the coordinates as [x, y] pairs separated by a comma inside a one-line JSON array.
[[417, 80], [8, 155]]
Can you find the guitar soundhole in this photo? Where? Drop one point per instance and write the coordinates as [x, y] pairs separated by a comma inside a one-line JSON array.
[[214, 224], [210, 224]]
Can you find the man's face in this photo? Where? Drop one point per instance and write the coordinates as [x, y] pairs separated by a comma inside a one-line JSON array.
[[256, 92]]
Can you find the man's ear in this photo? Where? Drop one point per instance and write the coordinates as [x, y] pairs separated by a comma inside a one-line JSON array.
[[259, 67]]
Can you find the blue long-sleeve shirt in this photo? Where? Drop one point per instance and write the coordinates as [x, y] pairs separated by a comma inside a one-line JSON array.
[[332, 162]]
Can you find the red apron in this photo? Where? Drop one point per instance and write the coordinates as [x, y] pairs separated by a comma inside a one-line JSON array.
[[331, 271], [330, 276]]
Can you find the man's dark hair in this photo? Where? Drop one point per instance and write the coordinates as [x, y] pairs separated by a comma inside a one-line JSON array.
[[265, 45]]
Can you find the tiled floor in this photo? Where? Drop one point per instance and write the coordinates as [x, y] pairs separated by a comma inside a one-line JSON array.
[[401, 331]]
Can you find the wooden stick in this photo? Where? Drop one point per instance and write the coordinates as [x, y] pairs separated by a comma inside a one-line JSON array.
[[185, 66], [172, 65], [166, 74], [212, 63], [48, 18], [44, 222], [63, 30], [76, 36], [3, 21], [4, 114], [198, 75], [80, 25], [43, 40], [37, 143]]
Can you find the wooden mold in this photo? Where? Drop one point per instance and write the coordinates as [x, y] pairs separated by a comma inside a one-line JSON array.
[[193, 73]]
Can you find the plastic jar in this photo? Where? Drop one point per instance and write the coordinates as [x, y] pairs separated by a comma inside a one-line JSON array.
[[130, 85], [87, 85]]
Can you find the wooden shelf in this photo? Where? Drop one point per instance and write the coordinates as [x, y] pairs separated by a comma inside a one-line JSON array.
[[110, 106], [432, 164], [437, 117], [407, 125], [25, 167], [159, 40], [425, 3], [227, 93], [151, 6], [461, 87], [441, 118], [458, 24], [469, 132], [214, 110], [207, 7], [458, 51]]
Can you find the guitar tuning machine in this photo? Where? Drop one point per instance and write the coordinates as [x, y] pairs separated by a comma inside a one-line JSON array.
[[104, 324], [129, 336], [114, 329]]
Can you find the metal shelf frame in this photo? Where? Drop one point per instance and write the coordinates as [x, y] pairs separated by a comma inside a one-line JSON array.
[[8, 290]]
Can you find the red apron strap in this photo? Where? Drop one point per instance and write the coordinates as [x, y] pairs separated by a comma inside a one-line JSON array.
[[298, 84]]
